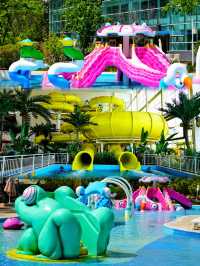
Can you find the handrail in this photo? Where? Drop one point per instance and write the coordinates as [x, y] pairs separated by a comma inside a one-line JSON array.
[[188, 164], [12, 166]]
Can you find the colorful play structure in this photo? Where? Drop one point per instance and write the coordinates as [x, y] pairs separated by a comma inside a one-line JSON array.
[[118, 47], [30, 59], [105, 129], [59, 226], [153, 198], [142, 199]]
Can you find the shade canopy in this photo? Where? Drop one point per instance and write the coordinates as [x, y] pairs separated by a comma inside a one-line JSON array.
[[148, 179]]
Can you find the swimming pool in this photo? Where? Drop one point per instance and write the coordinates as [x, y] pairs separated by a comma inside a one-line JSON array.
[[100, 171], [142, 241]]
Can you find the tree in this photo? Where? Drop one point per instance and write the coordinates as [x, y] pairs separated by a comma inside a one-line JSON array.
[[29, 105], [80, 119], [44, 130], [186, 109], [162, 144], [53, 49], [83, 17], [20, 142], [22, 19], [140, 149], [182, 6], [6, 106]]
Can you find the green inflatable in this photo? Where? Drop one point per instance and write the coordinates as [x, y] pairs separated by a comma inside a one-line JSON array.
[[58, 224]]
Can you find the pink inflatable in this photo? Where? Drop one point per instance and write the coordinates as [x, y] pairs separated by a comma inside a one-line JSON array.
[[12, 223]]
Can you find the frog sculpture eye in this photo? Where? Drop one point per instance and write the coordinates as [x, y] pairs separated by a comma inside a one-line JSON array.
[[29, 195]]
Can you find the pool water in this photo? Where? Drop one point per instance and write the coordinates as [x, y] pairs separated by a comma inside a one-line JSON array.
[[142, 241], [107, 80]]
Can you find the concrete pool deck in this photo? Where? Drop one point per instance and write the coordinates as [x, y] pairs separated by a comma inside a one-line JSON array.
[[183, 224]]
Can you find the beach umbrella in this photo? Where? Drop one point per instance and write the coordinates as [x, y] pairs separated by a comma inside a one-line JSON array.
[[10, 188]]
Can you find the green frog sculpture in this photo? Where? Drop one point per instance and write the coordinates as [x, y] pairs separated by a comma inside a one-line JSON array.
[[58, 225]]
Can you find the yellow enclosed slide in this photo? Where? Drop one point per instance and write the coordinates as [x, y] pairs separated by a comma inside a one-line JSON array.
[[127, 160], [62, 102], [59, 138], [84, 159], [126, 126], [115, 104]]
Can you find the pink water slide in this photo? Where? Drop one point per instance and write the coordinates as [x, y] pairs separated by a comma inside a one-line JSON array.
[[140, 70], [156, 193], [181, 199], [153, 57]]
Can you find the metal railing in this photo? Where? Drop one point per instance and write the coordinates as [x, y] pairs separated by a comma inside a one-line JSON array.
[[11, 166], [181, 163]]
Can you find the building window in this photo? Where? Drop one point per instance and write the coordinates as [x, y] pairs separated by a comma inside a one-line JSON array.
[[124, 8]]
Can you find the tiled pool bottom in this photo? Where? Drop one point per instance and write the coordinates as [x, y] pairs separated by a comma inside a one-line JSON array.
[[143, 241]]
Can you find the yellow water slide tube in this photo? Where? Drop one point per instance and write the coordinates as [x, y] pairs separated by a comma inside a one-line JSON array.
[[84, 159], [115, 104], [62, 102], [57, 137], [126, 126], [127, 160]]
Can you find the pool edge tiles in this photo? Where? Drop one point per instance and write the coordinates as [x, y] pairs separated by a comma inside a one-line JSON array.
[[182, 226]]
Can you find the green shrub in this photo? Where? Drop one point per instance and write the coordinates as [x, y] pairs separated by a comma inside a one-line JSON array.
[[9, 53], [105, 158], [53, 49], [73, 149]]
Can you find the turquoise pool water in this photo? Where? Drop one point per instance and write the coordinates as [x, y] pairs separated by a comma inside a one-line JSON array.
[[106, 80], [99, 172], [142, 241], [64, 171]]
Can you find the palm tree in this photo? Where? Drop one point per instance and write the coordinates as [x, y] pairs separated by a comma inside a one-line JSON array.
[[29, 105], [162, 144], [80, 119], [186, 109], [45, 130], [6, 106]]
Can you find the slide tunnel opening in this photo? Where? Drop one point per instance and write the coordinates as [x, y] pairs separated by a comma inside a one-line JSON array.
[[85, 159], [128, 160], [82, 161]]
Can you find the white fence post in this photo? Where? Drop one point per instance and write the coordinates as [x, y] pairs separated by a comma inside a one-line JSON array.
[[42, 163], [3, 167], [33, 164], [21, 164], [195, 165], [48, 159], [144, 162]]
